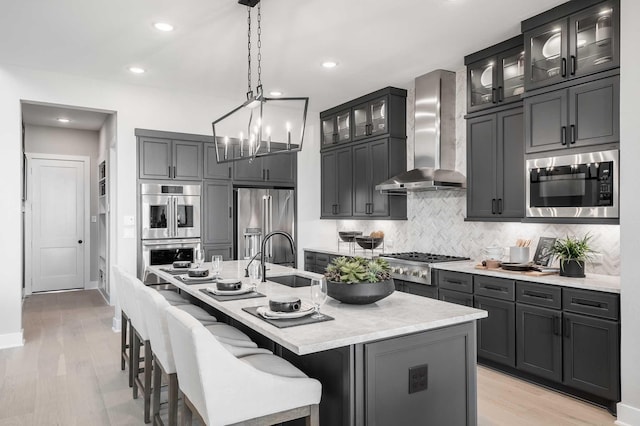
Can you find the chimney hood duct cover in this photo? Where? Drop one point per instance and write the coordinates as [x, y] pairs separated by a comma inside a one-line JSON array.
[[434, 138]]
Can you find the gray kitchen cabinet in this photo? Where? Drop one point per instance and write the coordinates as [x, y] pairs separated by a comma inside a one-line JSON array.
[[213, 169], [497, 332], [336, 128], [224, 250], [218, 212], [169, 159], [570, 41], [495, 160], [317, 262], [539, 341], [592, 355], [370, 118], [336, 183], [423, 290], [456, 297], [582, 115], [277, 169], [370, 167]]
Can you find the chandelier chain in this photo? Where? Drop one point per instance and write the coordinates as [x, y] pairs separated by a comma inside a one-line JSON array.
[[259, 47], [248, 50]]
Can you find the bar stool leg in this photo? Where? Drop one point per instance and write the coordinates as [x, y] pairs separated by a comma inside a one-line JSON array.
[[123, 340], [135, 363], [148, 357], [173, 399], [132, 355], [157, 386]]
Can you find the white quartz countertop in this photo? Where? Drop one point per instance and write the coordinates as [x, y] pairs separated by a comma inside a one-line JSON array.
[[396, 315], [343, 250], [606, 283]]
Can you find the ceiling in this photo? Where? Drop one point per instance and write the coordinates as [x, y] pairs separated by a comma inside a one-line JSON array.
[[376, 42], [47, 115]]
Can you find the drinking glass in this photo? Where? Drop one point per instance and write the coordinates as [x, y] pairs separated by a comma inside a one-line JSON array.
[[318, 294], [216, 265], [198, 257]]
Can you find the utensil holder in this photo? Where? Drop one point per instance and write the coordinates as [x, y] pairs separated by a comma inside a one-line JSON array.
[[519, 254]]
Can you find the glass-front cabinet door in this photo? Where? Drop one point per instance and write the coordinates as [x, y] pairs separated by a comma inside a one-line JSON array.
[[481, 80], [594, 39], [511, 76], [370, 118], [546, 53], [329, 133], [343, 125]]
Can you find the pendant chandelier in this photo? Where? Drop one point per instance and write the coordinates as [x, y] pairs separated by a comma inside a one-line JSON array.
[[261, 125]]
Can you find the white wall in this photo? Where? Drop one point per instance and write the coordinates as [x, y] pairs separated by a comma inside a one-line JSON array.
[[629, 408], [136, 107], [56, 140]]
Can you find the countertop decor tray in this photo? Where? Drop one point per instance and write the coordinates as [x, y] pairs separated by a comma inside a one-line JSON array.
[[288, 322], [221, 298]]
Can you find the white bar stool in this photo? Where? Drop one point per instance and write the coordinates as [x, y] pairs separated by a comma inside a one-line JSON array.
[[222, 389]]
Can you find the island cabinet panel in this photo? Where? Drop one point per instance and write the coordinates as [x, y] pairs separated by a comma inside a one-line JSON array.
[[592, 355], [497, 332], [410, 380], [539, 348]]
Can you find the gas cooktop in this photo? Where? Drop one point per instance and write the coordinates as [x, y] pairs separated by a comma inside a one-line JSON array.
[[423, 257]]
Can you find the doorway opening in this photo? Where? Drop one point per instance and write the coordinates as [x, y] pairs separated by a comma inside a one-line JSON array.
[[66, 190]]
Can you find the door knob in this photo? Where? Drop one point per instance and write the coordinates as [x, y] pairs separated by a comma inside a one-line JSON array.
[[79, 241]]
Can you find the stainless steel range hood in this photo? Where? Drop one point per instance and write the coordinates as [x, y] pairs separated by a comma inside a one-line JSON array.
[[435, 138]]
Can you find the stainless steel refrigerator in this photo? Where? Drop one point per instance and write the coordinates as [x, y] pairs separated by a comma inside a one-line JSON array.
[[260, 211]]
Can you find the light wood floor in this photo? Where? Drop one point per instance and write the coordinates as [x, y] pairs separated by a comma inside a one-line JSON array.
[[68, 373]]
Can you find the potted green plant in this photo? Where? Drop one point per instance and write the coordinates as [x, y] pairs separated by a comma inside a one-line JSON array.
[[359, 281], [572, 252]]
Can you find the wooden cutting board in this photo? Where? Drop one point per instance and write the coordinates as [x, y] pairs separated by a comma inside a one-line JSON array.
[[529, 273]]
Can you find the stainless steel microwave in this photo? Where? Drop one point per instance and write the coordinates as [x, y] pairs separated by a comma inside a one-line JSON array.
[[574, 186]]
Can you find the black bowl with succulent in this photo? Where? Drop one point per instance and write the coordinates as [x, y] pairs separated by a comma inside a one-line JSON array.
[[359, 281]]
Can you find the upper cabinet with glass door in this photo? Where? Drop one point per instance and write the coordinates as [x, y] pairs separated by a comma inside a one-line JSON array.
[[370, 118], [573, 42], [495, 75], [336, 128]]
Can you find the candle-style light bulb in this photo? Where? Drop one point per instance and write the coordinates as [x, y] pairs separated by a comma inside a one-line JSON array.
[[241, 144], [268, 139], [288, 136], [226, 146]]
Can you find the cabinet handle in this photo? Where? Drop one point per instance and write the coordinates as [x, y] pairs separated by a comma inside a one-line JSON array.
[[567, 327], [500, 94], [230, 254], [564, 67], [589, 303], [494, 96], [494, 288], [537, 295], [556, 326], [263, 174], [573, 133], [174, 172], [573, 65], [493, 206], [229, 172], [335, 138], [268, 174], [169, 172], [230, 213], [499, 205], [563, 135], [457, 282]]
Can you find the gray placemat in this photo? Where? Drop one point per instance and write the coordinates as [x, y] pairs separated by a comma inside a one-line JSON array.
[[174, 271], [188, 281], [288, 322], [225, 298]]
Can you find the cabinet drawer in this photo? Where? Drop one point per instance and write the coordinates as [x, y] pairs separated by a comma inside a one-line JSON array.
[[457, 281], [456, 297], [423, 290], [322, 259], [595, 303], [547, 296], [498, 288], [309, 257]]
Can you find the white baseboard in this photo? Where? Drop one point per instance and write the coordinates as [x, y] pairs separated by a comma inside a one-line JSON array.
[[116, 325], [627, 415], [11, 340], [91, 285]]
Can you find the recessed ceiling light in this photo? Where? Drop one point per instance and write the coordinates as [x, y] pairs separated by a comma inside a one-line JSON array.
[[63, 120], [137, 70], [275, 93], [163, 26], [329, 64]]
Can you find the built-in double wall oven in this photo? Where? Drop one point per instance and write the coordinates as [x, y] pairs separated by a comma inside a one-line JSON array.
[[574, 186], [170, 216]]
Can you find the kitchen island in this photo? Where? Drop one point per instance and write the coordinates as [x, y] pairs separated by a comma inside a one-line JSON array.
[[399, 361]]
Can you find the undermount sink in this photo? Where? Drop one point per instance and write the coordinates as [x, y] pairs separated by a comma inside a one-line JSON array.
[[291, 280]]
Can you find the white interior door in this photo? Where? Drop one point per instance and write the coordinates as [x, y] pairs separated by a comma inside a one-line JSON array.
[[57, 223]]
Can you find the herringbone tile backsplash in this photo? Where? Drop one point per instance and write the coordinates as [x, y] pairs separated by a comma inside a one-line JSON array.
[[436, 219]]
